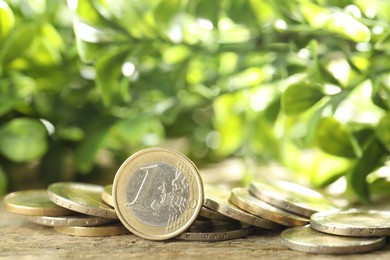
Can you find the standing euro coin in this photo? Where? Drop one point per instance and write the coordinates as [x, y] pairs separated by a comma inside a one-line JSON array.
[[158, 193]]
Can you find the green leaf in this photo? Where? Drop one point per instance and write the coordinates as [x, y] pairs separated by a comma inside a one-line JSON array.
[[334, 138], [383, 131], [380, 186], [88, 13], [18, 42], [176, 54], [23, 139], [249, 77], [229, 125], [87, 151], [8, 99], [7, 20], [335, 22], [241, 12], [383, 42], [108, 71], [140, 131], [208, 10], [89, 52], [347, 26], [299, 97], [3, 182], [373, 157], [166, 11], [314, 14]]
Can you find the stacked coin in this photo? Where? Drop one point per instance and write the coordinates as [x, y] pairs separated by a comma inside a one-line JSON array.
[[71, 208], [340, 232], [158, 194], [291, 205]]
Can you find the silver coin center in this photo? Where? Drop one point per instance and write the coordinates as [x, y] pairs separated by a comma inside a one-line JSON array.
[[157, 193]]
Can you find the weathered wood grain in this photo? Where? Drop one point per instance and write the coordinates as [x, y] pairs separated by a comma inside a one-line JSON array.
[[20, 239]]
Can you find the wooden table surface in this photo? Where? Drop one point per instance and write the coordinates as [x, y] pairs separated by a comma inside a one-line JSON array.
[[20, 239]]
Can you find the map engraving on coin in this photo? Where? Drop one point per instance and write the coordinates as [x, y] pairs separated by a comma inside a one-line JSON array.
[[157, 189]]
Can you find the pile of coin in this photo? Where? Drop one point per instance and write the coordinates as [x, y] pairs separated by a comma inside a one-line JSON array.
[[158, 194]]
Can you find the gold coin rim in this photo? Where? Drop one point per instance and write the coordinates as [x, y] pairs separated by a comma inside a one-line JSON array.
[[213, 214], [129, 167], [93, 231], [70, 220], [295, 243], [12, 206], [285, 202], [320, 222], [232, 211], [107, 195], [242, 231], [62, 200], [265, 210]]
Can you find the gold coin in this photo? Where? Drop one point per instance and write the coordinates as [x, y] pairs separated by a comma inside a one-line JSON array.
[[212, 214], [217, 198], [291, 197], [311, 241], [33, 203], [107, 195], [352, 222], [95, 231], [216, 232], [73, 220], [244, 200], [157, 193], [80, 197]]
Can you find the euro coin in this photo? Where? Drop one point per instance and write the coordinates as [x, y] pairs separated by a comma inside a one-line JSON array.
[[158, 193], [214, 215], [95, 231], [80, 197], [72, 220], [352, 222], [244, 200], [217, 198], [216, 233], [291, 197], [107, 195], [33, 203], [311, 241]]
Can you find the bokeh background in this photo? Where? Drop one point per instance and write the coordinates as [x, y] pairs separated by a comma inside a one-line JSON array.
[[293, 89]]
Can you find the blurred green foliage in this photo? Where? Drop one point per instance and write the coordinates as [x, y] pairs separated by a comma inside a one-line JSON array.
[[302, 83]]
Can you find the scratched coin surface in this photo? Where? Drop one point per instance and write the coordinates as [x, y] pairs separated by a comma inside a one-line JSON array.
[[80, 197], [290, 196], [158, 193], [33, 203], [244, 200], [71, 220], [107, 195], [217, 198], [309, 240], [95, 231], [352, 222], [216, 232]]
